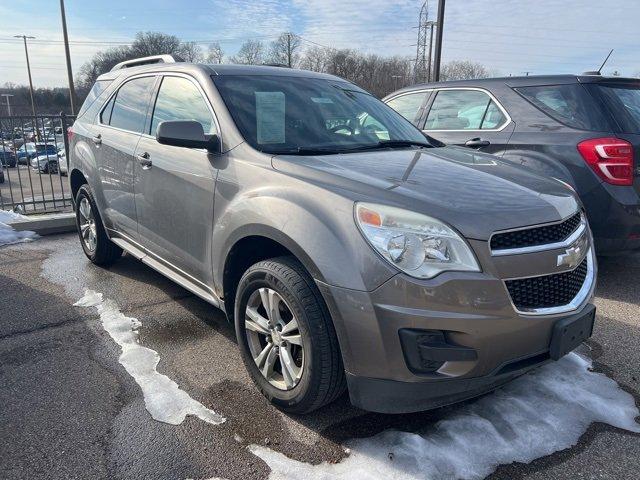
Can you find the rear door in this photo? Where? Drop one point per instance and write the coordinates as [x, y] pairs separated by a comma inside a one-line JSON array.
[[469, 117], [411, 104], [121, 122], [175, 185]]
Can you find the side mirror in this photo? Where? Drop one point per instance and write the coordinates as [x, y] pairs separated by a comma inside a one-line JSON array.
[[186, 133]]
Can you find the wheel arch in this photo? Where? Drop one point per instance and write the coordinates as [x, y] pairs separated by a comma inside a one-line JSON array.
[[76, 180], [251, 244]]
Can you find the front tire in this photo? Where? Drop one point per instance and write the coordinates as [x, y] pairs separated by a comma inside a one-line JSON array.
[[286, 336], [93, 238]]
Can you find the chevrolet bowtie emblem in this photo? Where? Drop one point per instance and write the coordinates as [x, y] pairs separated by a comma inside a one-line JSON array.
[[571, 257]]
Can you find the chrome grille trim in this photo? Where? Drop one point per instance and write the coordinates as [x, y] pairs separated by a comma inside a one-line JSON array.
[[577, 233]]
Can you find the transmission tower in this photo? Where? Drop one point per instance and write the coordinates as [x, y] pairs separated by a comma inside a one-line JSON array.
[[421, 70]]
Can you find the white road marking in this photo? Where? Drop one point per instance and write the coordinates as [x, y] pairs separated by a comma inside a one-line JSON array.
[[162, 396]]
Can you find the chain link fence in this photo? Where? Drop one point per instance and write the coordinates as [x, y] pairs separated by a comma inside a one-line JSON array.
[[34, 164]]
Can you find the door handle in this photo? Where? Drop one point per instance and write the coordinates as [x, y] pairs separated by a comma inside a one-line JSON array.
[[477, 143], [143, 159], [97, 139]]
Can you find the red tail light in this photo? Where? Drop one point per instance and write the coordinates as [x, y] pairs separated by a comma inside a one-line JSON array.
[[69, 134], [611, 159]]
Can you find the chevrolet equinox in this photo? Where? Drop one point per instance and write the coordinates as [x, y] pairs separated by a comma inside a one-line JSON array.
[[350, 250]]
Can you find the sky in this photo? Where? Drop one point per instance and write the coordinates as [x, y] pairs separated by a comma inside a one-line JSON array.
[[510, 37]]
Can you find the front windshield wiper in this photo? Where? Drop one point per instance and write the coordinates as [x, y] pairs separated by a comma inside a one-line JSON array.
[[393, 144], [358, 148], [317, 150]]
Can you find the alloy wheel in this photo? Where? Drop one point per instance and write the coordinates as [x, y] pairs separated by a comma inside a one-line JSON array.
[[274, 338], [87, 225]]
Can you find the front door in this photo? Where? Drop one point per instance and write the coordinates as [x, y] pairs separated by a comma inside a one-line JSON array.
[[468, 117], [175, 185], [116, 137]]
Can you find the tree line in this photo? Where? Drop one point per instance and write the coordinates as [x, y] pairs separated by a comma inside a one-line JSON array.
[[378, 74]]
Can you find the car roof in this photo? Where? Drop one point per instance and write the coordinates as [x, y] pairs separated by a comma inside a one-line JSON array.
[[216, 69], [530, 80]]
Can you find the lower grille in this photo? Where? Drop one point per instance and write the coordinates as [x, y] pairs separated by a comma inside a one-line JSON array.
[[547, 291]]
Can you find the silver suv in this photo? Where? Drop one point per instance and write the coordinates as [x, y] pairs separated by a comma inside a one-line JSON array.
[[350, 250]]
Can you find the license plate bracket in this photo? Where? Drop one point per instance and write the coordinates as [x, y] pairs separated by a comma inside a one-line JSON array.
[[571, 331]]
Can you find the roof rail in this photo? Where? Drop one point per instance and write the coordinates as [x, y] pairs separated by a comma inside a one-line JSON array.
[[136, 62], [281, 65]]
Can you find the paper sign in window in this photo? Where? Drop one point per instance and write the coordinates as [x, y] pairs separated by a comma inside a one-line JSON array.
[[270, 116]]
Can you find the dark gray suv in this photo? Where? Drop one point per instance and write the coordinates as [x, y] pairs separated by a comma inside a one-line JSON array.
[[349, 249], [581, 129]]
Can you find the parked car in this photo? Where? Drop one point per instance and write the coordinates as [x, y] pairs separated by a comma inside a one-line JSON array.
[[584, 130], [62, 163], [349, 249], [7, 157], [45, 163], [14, 141], [31, 149]]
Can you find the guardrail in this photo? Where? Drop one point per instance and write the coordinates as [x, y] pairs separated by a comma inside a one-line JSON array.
[[34, 163]]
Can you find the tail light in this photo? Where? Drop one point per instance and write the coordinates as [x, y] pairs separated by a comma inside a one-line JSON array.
[[611, 159], [69, 134]]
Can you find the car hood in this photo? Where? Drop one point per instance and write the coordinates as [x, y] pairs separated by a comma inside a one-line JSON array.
[[476, 193]]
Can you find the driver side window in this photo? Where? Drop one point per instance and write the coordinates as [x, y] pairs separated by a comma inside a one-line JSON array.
[[180, 99]]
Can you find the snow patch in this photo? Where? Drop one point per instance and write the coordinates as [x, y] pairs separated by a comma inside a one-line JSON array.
[[162, 396], [538, 414], [10, 236], [90, 299]]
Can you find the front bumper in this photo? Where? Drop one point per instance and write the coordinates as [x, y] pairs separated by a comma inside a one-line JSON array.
[[493, 343]]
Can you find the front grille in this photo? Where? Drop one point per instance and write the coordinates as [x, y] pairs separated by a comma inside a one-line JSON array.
[[549, 290], [531, 237]]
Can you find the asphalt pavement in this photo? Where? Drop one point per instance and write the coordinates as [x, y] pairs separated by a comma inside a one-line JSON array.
[[68, 408]]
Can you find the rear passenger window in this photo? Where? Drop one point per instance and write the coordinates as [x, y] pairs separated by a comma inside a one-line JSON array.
[[569, 104], [464, 110], [130, 107], [97, 89], [180, 99], [408, 105], [105, 116]]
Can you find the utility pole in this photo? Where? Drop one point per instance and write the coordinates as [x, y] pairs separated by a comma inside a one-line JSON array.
[[72, 90], [289, 62], [6, 96], [438, 54], [26, 53], [429, 61]]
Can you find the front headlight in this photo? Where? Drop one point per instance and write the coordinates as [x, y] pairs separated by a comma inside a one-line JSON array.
[[418, 245]]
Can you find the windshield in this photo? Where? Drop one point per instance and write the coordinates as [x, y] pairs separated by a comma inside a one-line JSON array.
[[624, 101], [300, 115]]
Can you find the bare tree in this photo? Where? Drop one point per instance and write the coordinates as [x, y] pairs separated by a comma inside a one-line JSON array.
[[315, 59], [251, 53], [144, 45], [463, 70], [283, 50], [190, 52], [215, 53]]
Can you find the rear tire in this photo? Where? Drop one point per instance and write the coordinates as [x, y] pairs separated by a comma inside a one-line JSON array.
[[317, 360], [93, 237]]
